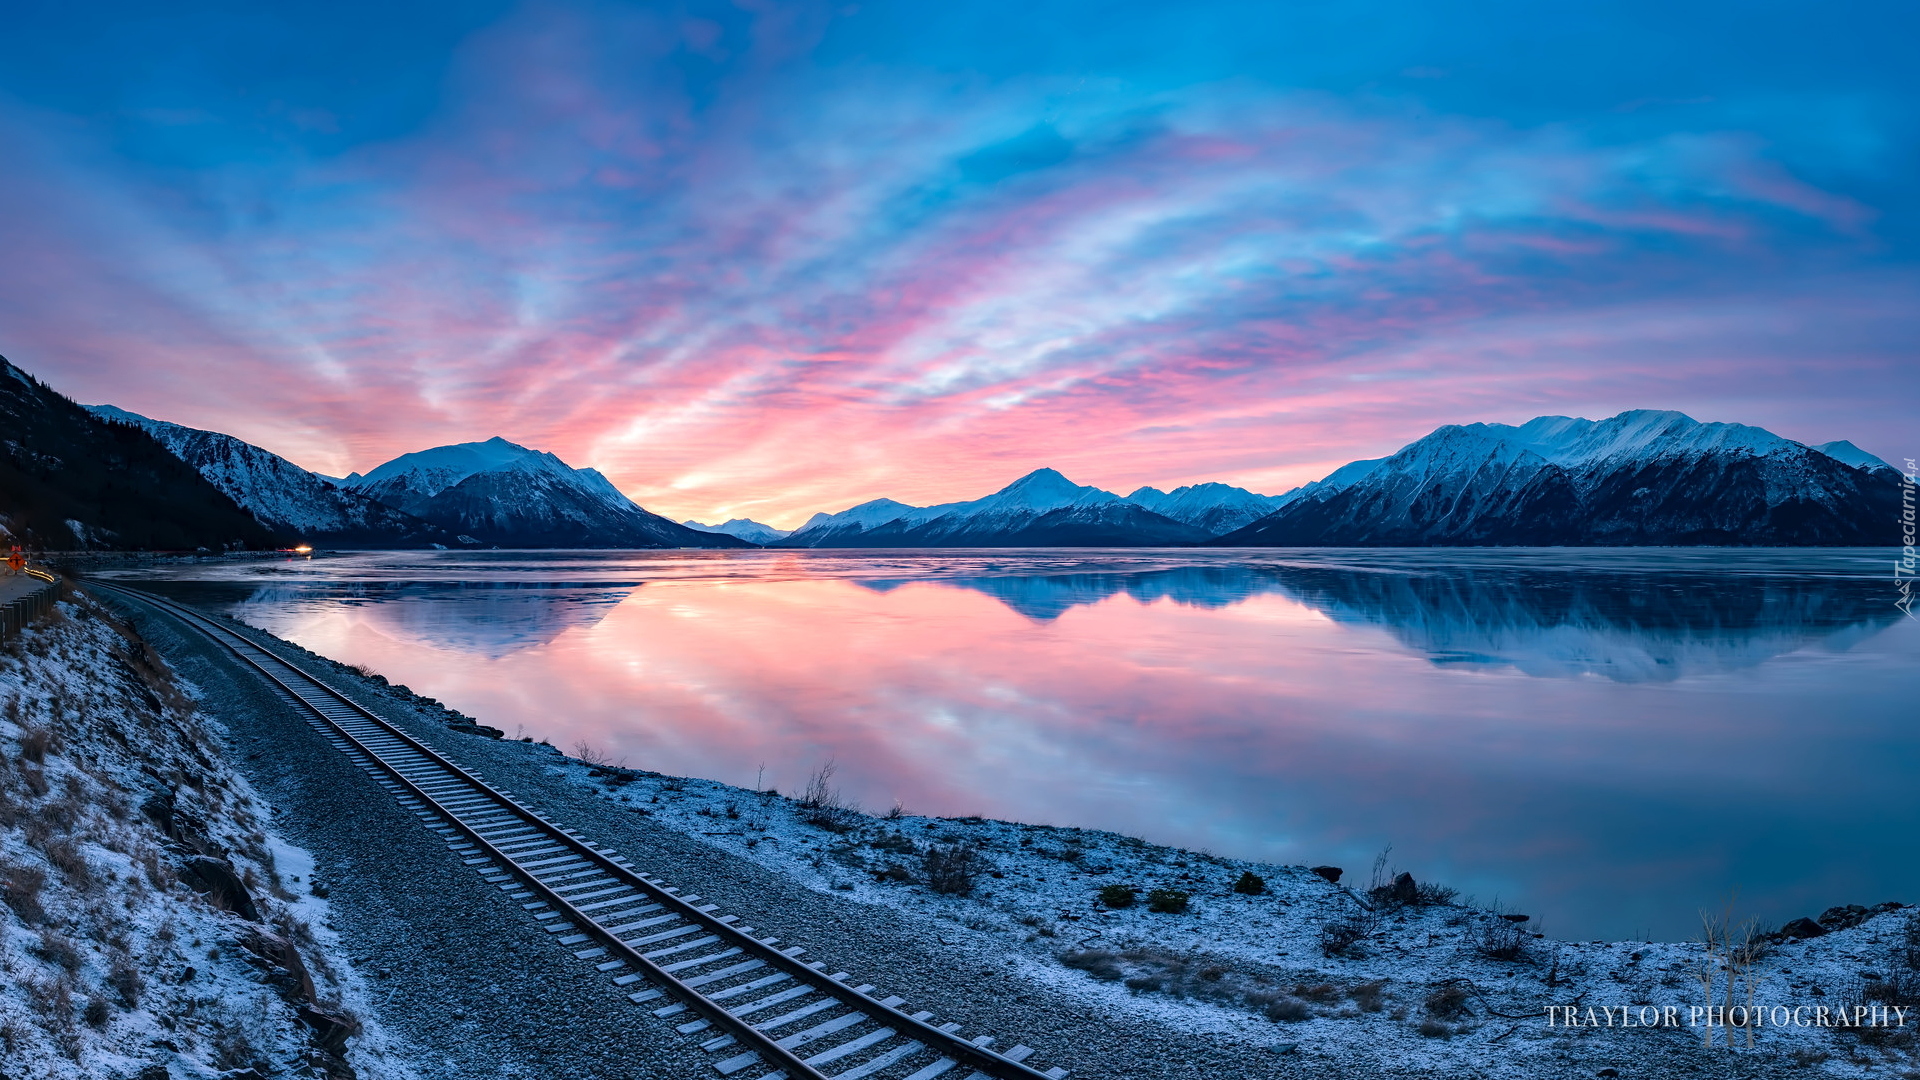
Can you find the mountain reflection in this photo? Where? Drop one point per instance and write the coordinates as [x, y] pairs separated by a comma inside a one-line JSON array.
[[486, 618], [1627, 627]]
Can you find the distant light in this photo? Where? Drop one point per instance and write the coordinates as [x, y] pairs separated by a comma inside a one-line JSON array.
[[303, 549]]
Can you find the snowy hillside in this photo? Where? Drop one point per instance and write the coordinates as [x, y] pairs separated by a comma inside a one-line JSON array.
[[1642, 477], [281, 495], [154, 921], [497, 492]]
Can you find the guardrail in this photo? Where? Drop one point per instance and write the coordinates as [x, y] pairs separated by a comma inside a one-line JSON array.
[[15, 614]]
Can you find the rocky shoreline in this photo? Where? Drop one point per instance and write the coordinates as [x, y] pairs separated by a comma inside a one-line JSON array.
[[1117, 957]]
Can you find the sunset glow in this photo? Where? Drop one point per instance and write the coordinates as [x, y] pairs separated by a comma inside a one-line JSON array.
[[766, 262]]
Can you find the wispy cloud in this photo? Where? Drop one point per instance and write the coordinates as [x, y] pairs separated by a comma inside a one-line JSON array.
[[743, 280]]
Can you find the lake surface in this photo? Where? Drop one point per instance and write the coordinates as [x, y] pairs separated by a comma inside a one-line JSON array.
[[1607, 739]]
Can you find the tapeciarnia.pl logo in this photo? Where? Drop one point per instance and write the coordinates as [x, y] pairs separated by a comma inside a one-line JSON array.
[[1735, 1016], [1903, 567]]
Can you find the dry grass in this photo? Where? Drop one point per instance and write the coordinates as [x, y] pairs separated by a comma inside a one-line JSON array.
[[20, 888]]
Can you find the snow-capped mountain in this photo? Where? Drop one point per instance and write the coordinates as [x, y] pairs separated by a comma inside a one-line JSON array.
[[1041, 509], [747, 529], [1642, 477], [1844, 451], [845, 527], [501, 493], [1213, 508], [279, 494]]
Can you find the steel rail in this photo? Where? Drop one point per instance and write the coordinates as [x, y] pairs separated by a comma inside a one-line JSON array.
[[771, 1051]]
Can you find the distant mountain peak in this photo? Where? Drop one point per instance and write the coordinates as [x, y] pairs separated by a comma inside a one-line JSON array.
[[1845, 452], [745, 528]]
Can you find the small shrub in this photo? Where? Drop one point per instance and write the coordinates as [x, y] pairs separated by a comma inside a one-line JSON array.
[[1099, 963], [1430, 894], [1168, 901], [97, 1013], [1500, 939], [1338, 938], [1447, 1002], [1434, 1029], [1369, 996], [952, 870], [58, 950], [125, 980], [1250, 884], [1118, 896], [34, 744], [20, 888], [1319, 993], [1288, 1010]]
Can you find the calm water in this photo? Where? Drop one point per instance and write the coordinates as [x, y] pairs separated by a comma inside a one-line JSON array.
[[1607, 739]]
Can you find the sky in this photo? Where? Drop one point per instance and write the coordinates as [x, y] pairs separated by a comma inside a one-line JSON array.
[[762, 259]]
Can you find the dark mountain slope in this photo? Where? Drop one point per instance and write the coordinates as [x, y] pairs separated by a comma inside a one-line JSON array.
[[69, 480]]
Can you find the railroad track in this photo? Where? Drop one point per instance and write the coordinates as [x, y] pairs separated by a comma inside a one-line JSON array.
[[772, 1015]]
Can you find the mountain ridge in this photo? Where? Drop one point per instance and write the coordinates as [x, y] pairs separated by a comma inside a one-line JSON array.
[[1637, 478], [71, 480], [279, 494]]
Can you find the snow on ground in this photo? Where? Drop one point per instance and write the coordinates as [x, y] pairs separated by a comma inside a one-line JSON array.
[[113, 796], [1459, 989]]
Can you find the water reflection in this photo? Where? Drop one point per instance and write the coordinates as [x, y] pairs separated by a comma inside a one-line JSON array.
[[1628, 627], [1737, 720]]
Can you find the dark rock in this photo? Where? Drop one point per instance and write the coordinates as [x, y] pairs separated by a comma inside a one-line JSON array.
[[1802, 927], [1515, 917], [158, 807], [287, 973], [154, 1072], [1331, 873], [1403, 890], [330, 1032], [1840, 917], [223, 888], [477, 729]]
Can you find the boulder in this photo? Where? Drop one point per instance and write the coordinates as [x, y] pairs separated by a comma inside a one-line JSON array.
[[1404, 891], [1331, 873], [477, 729], [221, 885], [1802, 927]]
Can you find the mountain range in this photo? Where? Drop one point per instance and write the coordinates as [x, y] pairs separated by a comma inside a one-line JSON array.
[[1641, 477], [68, 476], [1041, 509]]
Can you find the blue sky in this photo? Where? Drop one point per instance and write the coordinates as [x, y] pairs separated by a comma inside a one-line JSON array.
[[769, 258]]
